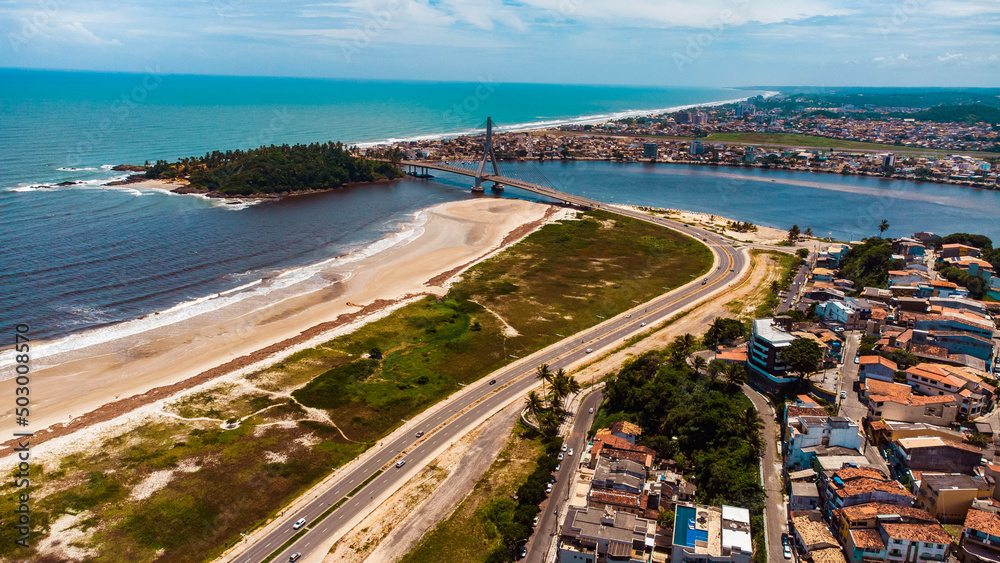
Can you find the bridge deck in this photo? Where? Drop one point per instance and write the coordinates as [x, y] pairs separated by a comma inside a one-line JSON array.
[[513, 182]]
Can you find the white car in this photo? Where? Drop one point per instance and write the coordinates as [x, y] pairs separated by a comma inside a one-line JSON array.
[[565, 447], [560, 457], [570, 452], [401, 463], [787, 552], [642, 324], [299, 523], [548, 488], [591, 410], [535, 522], [589, 350], [629, 316]]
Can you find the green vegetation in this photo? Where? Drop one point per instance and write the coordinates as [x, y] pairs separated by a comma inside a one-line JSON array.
[[802, 356], [561, 279], [488, 523], [275, 169], [788, 265], [723, 330], [868, 264], [797, 140], [968, 114], [976, 285], [707, 426]]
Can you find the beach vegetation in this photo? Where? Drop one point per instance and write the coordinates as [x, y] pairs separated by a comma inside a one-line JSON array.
[[274, 169]]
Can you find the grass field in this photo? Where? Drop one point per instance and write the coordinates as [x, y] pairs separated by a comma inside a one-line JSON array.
[[561, 279], [468, 534]]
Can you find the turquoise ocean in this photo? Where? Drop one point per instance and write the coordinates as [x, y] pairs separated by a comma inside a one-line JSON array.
[[78, 260]]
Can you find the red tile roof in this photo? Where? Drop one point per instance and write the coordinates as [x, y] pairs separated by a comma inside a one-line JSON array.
[[983, 521], [933, 533]]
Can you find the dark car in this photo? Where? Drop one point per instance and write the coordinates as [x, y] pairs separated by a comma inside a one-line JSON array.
[[492, 381], [784, 539]]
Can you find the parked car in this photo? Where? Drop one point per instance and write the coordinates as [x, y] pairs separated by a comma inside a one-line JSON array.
[[558, 465], [784, 539], [565, 447], [299, 523], [570, 452], [560, 456], [843, 394], [548, 488], [534, 522], [857, 359], [787, 552], [524, 552]]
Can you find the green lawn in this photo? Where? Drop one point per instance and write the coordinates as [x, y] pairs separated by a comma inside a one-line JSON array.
[[559, 280]]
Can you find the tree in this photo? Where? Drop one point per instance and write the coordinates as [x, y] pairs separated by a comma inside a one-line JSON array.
[[883, 227], [808, 233], [375, 353], [722, 330], [535, 403], [802, 356], [542, 372], [735, 374], [802, 253], [793, 233], [699, 363]]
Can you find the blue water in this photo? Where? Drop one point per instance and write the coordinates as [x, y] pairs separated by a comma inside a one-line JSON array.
[[79, 258]]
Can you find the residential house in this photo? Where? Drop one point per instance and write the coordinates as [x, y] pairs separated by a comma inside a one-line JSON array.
[[608, 445], [895, 401], [860, 485], [884, 432], [948, 496], [805, 434], [915, 543], [619, 474], [591, 534], [980, 541], [942, 380], [805, 496], [955, 250], [932, 453], [711, 535], [857, 527], [622, 501], [811, 532], [876, 367], [626, 430]]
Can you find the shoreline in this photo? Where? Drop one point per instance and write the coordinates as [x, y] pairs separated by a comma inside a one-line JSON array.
[[122, 375]]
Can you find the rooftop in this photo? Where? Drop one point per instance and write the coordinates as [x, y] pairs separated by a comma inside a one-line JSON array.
[[766, 329], [870, 510], [910, 444], [868, 539], [944, 481], [983, 521], [812, 532], [933, 533]]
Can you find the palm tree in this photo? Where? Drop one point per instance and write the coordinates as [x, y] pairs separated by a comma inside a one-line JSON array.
[[699, 363], [686, 343], [808, 233], [883, 227], [535, 403], [560, 389], [735, 374], [542, 372]]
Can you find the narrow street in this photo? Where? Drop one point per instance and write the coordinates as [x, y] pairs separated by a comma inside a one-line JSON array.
[[775, 508]]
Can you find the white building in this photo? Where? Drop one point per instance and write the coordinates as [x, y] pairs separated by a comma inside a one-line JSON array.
[[806, 435], [706, 534]]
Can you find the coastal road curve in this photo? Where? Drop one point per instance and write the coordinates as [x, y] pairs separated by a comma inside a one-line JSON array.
[[512, 383]]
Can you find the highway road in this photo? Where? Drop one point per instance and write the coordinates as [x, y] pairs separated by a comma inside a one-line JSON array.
[[511, 384]]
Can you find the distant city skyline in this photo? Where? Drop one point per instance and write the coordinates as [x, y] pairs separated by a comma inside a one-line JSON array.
[[629, 42]]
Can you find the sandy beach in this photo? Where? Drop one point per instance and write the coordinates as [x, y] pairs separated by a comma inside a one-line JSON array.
[[127, 372]]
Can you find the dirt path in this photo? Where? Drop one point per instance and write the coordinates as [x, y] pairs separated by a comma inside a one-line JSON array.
[[392, 530]]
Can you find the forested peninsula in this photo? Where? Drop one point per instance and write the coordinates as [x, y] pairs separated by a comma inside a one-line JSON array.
[[272, 170]]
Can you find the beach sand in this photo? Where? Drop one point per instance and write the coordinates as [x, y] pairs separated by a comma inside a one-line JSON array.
[[127, 372]]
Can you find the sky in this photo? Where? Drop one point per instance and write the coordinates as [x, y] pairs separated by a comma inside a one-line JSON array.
[[626, 42]]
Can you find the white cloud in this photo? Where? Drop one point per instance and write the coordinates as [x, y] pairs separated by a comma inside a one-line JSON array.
[[950, 56]]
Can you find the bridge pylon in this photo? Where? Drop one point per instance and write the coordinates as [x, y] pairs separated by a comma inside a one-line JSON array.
[[487, 155]]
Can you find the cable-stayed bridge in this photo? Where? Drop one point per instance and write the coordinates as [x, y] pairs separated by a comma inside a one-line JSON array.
[[502, 174]]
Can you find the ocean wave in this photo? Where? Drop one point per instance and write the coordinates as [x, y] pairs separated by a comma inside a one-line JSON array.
[[291, 282]]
